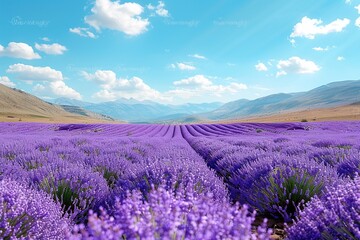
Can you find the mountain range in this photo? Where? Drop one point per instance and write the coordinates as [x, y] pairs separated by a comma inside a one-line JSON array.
[[15, 103], [135, 111], [326, 96]]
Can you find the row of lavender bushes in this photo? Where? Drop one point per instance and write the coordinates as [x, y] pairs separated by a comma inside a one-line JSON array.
[[80, 187], [310, 182], [87, 184]]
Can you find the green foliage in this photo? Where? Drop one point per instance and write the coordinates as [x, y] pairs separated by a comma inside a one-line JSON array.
[[294, 191], [110, 176]]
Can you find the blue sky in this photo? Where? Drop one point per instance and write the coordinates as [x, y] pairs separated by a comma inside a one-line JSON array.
[[177, 51]]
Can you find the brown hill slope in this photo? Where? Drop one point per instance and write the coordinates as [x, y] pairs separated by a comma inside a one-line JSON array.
[[341, 113], [16, 105]]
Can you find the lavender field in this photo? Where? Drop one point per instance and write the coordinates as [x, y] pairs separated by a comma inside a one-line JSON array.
[[205, 181]]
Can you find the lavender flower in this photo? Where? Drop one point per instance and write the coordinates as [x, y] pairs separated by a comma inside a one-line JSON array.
[[28, 214], [336, 215], [280, 186], [76, 187], [168, 216]]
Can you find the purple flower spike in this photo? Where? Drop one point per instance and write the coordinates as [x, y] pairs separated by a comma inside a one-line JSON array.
[[28, 214], [335, 215], [168, 216]]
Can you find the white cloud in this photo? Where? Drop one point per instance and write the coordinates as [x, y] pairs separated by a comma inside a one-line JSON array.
[[234, 87], [198, 88], [293, 42], [113, 88], [201, 85], [198, 56], [60, 89], [31, 73], [120, 17], [46, 39], [281, 73], [151, 7], [195, 81], [358, 8], [357, 22], [6, 81], [56, 89], [103, 77], [54, 49], [340, 58], [84, 32], [183, 66], [348, 1], [321, 49], [52, 80], [296, 65], [19, 50], [159, 9], [261, 67], [309, 28], [39, 88]]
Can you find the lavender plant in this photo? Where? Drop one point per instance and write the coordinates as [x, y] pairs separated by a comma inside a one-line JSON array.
[[29, 214], [168, 216], [280, 186], [335, 215], [75, 187], [275, 168]]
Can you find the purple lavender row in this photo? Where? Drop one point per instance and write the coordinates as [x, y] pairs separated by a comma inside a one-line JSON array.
[[279, 173], [81, 173], [333, 216]]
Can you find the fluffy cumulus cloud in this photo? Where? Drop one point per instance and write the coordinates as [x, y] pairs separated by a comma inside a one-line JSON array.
[[309, 28], [6, 81], [159, 9], [113, 88], [52, 81], [113, 15], [102, 77], [183, 66], [296, 65], [195, 81], [84, 32], [56, 89], [198, 56], [53, 49], [19, 50], [200, 85], [340, 58], [60, 89], [261, 67], [31, 73]]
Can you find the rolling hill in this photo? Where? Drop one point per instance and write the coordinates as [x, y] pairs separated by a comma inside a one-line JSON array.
[[347, 112], [327, 96], [337, 100], [17, 105]]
